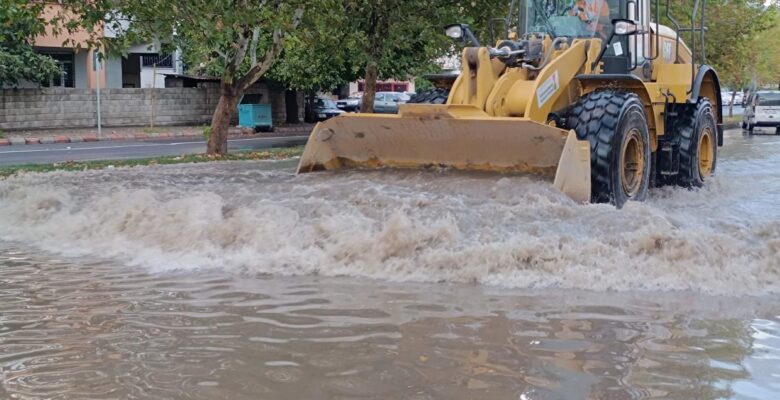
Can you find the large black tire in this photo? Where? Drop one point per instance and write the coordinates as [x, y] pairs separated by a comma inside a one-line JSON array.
[[698, 134], [614, 123], [433, 96]]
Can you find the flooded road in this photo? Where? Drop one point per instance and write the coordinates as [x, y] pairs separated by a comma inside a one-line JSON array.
[[242, 280]]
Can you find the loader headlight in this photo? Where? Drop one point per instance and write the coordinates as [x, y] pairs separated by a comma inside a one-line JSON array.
[[624, 27], [454, 31], [461, 33]]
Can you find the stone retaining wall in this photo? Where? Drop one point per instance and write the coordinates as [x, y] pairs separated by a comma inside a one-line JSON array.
[[56, 108]]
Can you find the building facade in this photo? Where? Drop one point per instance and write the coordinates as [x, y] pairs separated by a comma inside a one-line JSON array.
[[383, 86], [143, 67]]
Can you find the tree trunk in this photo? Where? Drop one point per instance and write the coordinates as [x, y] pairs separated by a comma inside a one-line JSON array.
[[220, 121], [291, 106], [308, 107], [731, 103], [372, 70]]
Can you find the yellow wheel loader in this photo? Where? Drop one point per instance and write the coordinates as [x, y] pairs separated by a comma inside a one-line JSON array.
[[590, 92]]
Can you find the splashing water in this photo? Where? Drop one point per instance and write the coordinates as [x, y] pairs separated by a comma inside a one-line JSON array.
[[513, 231]]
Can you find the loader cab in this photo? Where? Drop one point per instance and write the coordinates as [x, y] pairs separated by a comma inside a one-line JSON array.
[[586, 19]]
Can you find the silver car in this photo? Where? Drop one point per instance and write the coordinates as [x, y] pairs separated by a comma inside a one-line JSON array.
[[387, 102]]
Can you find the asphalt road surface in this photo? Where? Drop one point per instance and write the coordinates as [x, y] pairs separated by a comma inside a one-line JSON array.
[[53, 153]]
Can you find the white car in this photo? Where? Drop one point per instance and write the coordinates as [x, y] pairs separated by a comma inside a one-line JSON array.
[[351, 103], [762, 110], [726, 98]]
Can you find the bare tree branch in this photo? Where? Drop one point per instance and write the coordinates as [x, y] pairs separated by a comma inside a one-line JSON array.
[[253, 46], [271, 54], [222, 54], [238, 57]]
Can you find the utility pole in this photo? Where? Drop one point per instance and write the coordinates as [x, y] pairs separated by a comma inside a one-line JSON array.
[[154, 87], [96, 69]]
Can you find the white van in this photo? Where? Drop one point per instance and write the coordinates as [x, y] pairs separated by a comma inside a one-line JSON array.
[[762, 110]]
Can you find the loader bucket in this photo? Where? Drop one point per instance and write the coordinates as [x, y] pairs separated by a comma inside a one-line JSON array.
[[456, 136]]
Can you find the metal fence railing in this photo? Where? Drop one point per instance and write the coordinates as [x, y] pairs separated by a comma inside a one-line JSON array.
[[161, 60]]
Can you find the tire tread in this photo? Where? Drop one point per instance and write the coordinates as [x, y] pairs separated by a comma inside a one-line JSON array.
[[686, 129], [596, 117], [433, 96]]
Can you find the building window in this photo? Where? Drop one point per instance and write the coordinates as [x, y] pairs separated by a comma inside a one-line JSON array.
[[65, 77], [385, 86], [162, 60]]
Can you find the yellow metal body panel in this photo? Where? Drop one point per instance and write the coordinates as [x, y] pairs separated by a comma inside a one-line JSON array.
[[553, 80], [478, 75], [515, 80], [518, 96], [666, 49], [676, 78], [593, 48]]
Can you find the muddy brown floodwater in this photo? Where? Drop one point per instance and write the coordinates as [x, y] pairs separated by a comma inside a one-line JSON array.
[[244, 281]]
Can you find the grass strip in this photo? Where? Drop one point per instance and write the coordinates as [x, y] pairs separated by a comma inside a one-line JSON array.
[[280, 153]]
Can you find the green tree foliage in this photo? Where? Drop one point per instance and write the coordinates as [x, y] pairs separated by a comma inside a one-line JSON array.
[[731, 39], [767, 45], [239, 40], [323, 53], [20, 23], [401, 38]]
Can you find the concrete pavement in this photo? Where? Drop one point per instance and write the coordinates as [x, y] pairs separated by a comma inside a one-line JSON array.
[[91, 151]]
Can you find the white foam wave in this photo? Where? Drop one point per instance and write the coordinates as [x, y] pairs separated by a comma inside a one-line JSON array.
[[404, 226]]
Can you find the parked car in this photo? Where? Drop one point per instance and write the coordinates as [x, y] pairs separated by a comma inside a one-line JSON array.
[[726, 97], [762, 110], [387, 102], [325, 108], [739, 98], [350, 104]]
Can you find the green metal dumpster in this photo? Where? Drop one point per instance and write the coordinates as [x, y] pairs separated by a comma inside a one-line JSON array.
[[255, 116]]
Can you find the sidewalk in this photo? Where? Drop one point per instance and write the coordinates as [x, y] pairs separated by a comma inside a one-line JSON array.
[[75, 135]]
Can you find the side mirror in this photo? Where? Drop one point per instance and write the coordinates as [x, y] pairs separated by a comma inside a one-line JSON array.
[[624, 27]]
